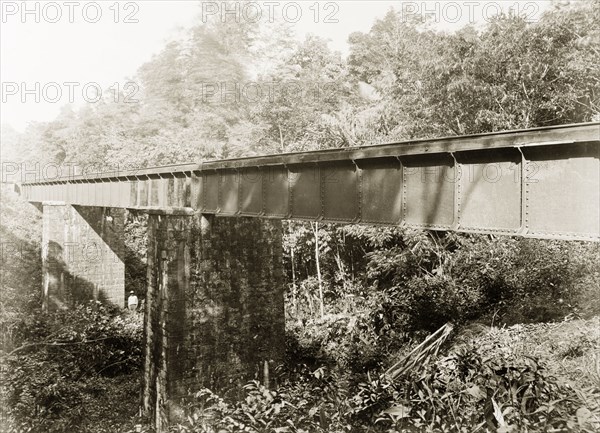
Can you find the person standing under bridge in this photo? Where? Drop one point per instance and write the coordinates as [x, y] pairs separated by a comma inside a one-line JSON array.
[[132, 301]]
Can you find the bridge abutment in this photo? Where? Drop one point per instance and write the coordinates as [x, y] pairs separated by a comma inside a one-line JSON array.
[[214, 307], [82, 255]]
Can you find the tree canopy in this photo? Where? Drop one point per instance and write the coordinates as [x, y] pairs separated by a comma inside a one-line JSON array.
[[228, 89]]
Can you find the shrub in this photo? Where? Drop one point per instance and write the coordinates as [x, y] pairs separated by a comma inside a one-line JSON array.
[[479, 386], [313, 403], [428, 280], [67, 364]]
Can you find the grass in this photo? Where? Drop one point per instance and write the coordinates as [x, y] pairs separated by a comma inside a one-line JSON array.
[[570, 349]]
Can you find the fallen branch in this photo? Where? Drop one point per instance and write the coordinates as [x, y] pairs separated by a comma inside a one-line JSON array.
[[429, 347], [52, 343]]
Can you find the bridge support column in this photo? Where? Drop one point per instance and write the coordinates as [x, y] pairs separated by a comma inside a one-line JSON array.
[[82, 255], [214, 307]]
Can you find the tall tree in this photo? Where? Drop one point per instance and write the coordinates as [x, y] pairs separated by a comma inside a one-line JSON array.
[[306, 87]]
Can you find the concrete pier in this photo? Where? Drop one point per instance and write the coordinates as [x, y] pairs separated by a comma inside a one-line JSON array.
[[82, 255], [214, 307]]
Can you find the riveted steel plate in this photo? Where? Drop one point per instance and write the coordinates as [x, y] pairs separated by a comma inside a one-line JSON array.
[[339, 184], [306, 191], [104, 189], [99, 193], [490, 190], [196, 191], [80, 191], [76, 193], [229, 192], [96, 193], [123, 198], [60, 194], [251, 191], [210, 192], [133, 193], [163, 191], [428, 199], [67, 193], [563, 191], [114, 190], [276, 191], [154, 191], [186, 191], [381, 190], [113, 194], [558, 198], [86, 190], [90, 194], [105, 193], [171, 197], [143, 192], [171, 193]]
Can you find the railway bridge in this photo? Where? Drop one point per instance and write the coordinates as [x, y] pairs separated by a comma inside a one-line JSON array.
[[214, 303]]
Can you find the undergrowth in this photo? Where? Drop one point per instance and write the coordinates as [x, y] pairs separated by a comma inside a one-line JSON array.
[[494, 381]]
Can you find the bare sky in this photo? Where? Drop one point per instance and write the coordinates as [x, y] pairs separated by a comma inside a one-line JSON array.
[[85, 44]]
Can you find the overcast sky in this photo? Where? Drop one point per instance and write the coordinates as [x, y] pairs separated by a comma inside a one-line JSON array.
[[47, 44]]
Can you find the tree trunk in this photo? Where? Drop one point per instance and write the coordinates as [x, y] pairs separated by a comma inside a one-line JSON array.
[[281, 138], [294, 289], [318, 262]]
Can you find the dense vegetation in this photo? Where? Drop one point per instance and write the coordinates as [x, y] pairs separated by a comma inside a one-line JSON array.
[[516, 345]]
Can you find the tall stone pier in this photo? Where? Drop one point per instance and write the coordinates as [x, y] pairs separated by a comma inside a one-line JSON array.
[[82, 255], [214, 307]]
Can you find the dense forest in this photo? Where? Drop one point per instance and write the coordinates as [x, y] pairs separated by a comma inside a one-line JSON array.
[[387, 329]]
